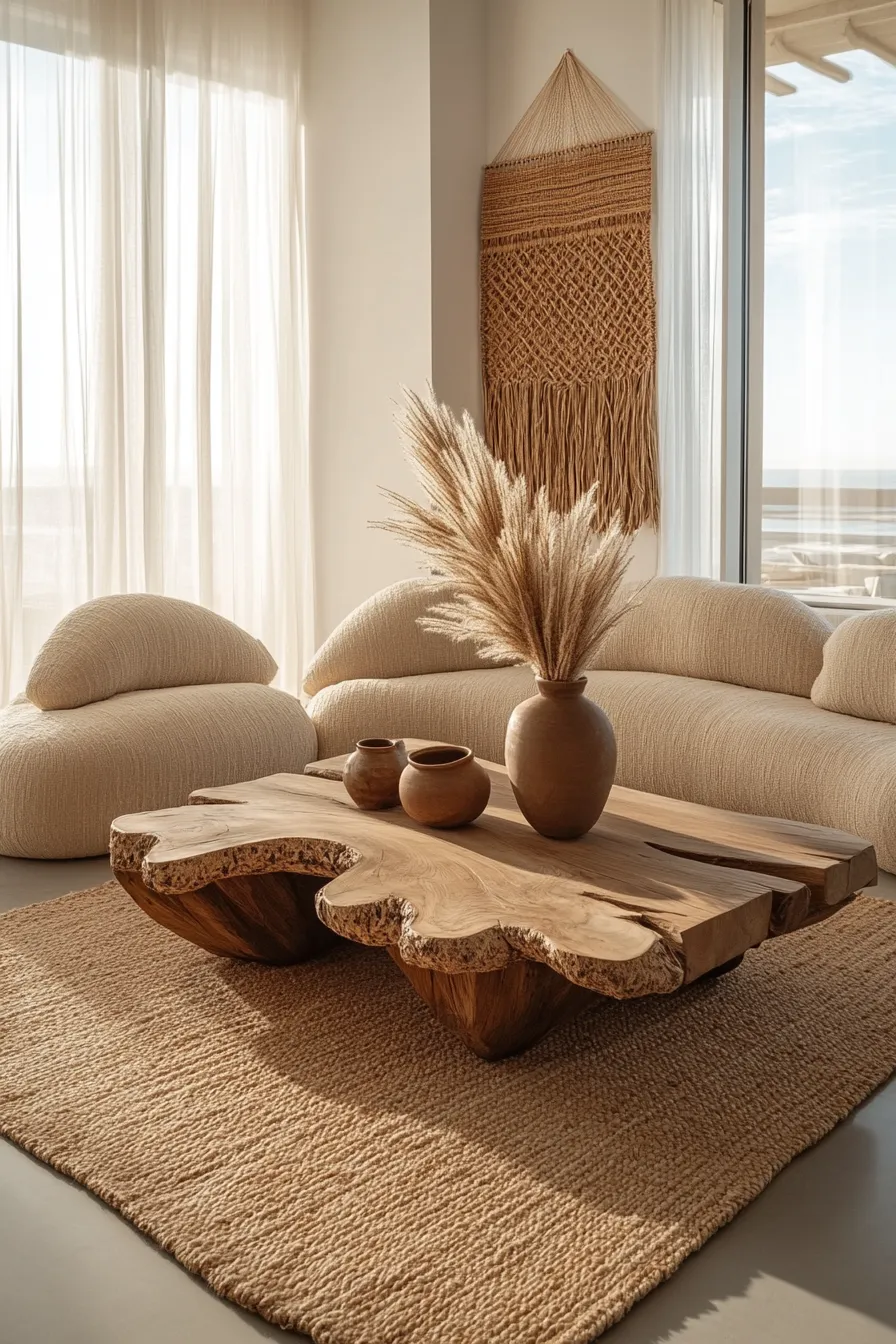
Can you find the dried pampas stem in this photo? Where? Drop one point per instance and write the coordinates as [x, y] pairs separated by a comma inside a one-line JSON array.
[[534, 585]]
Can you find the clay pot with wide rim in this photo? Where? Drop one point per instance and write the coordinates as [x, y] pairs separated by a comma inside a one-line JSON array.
[[372, 772], [444, 786], [560, 752]]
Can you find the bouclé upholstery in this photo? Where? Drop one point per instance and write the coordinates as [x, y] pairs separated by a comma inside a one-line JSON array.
[[141, 642], [707, 686], [756, 637], [134, 702], [469, 708], [382, 638], [706, 741], [68, 772], [859, 672]]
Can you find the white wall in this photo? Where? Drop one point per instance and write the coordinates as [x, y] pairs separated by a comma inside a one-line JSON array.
[[406, 101], [395, 115], [617, 39], [619, 42], [368, 175], [458, 133]]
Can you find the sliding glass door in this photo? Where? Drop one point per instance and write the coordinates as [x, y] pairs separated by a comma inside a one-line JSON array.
[[827, 462]]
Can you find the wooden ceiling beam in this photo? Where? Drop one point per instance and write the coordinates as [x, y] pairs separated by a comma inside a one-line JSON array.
[[833, 9], [820, 64], [779, 87], [863, 41]]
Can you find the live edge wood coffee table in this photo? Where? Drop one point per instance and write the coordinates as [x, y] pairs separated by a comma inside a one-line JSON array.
[[502, 932]]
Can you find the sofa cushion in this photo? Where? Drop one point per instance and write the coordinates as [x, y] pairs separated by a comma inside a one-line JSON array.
[[859, 672], [469, 708], [68, 772], [752, 751], [706, 741], [137, 642], [381, 638], [749, 636]]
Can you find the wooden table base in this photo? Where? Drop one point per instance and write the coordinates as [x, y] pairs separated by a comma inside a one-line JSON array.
[[498, 1013], [265, 917]]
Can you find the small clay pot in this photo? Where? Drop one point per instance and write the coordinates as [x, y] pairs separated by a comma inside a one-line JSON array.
[[372, 772], [444, 786], [560, 753]]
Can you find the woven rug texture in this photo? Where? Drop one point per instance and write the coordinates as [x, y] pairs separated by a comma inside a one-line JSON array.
[[315, 1146]]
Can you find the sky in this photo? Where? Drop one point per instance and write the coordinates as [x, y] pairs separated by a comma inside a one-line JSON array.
[[830, 271]]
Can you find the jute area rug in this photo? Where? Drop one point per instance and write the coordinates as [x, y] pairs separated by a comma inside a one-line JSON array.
[[317, 1148]]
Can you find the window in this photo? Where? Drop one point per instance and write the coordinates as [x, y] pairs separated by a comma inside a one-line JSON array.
[[828, 472]]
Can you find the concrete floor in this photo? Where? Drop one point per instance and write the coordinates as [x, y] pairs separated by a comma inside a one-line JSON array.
[[812, 1261]]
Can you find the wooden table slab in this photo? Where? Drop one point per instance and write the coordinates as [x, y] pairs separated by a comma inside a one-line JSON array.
[[502, 931]]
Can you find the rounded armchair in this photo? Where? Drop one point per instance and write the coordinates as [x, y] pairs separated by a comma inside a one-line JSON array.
[[133, 702]]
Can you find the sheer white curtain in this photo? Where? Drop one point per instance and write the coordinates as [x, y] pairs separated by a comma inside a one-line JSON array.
[[153, 362], [689, 225]]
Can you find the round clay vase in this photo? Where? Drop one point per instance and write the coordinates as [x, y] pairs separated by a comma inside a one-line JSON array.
[[372, 772], [444, 786], [560, 753]]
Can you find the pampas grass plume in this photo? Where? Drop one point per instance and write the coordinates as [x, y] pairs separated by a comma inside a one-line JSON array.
[[532, 585]]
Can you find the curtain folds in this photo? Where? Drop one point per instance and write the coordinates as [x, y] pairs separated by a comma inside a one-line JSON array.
[[153, 334], [689, 260]]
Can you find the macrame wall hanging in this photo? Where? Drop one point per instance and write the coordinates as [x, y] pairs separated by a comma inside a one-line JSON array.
[[567, 302]]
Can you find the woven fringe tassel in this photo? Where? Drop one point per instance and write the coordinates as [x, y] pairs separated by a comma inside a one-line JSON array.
[[564, 438]]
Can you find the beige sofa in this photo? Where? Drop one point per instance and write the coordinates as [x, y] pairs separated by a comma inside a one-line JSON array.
[[738, 697]]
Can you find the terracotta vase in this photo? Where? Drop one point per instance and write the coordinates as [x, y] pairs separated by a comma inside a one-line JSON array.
[[372, 772], [560, 753], [444, 786]]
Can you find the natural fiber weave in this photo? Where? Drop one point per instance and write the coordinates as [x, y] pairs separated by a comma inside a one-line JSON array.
[[568, 314], [315, 1146]]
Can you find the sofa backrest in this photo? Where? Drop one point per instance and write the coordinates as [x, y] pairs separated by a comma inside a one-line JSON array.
[[749, 636], [859, 672], [381, 638], [141, 642]]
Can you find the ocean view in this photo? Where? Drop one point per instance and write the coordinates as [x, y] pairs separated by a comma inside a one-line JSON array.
[[827, 479], [828, 532]]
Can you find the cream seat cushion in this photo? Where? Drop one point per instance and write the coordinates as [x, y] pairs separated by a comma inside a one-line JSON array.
[[727, 746], [470, 708], [67, 773], [750, 636], [141, 642], [859, 672]]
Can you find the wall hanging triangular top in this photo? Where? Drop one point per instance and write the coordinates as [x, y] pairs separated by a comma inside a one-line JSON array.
[[567, 301]]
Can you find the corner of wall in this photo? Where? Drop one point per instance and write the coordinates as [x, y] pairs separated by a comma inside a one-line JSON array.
[[406, 100], [370, 269], [457, 141]]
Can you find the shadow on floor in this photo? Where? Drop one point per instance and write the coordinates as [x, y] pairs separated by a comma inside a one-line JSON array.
[[825, 1225], [27, 881]]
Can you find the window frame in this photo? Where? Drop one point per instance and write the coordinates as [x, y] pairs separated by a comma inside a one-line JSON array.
[[742, 288]]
